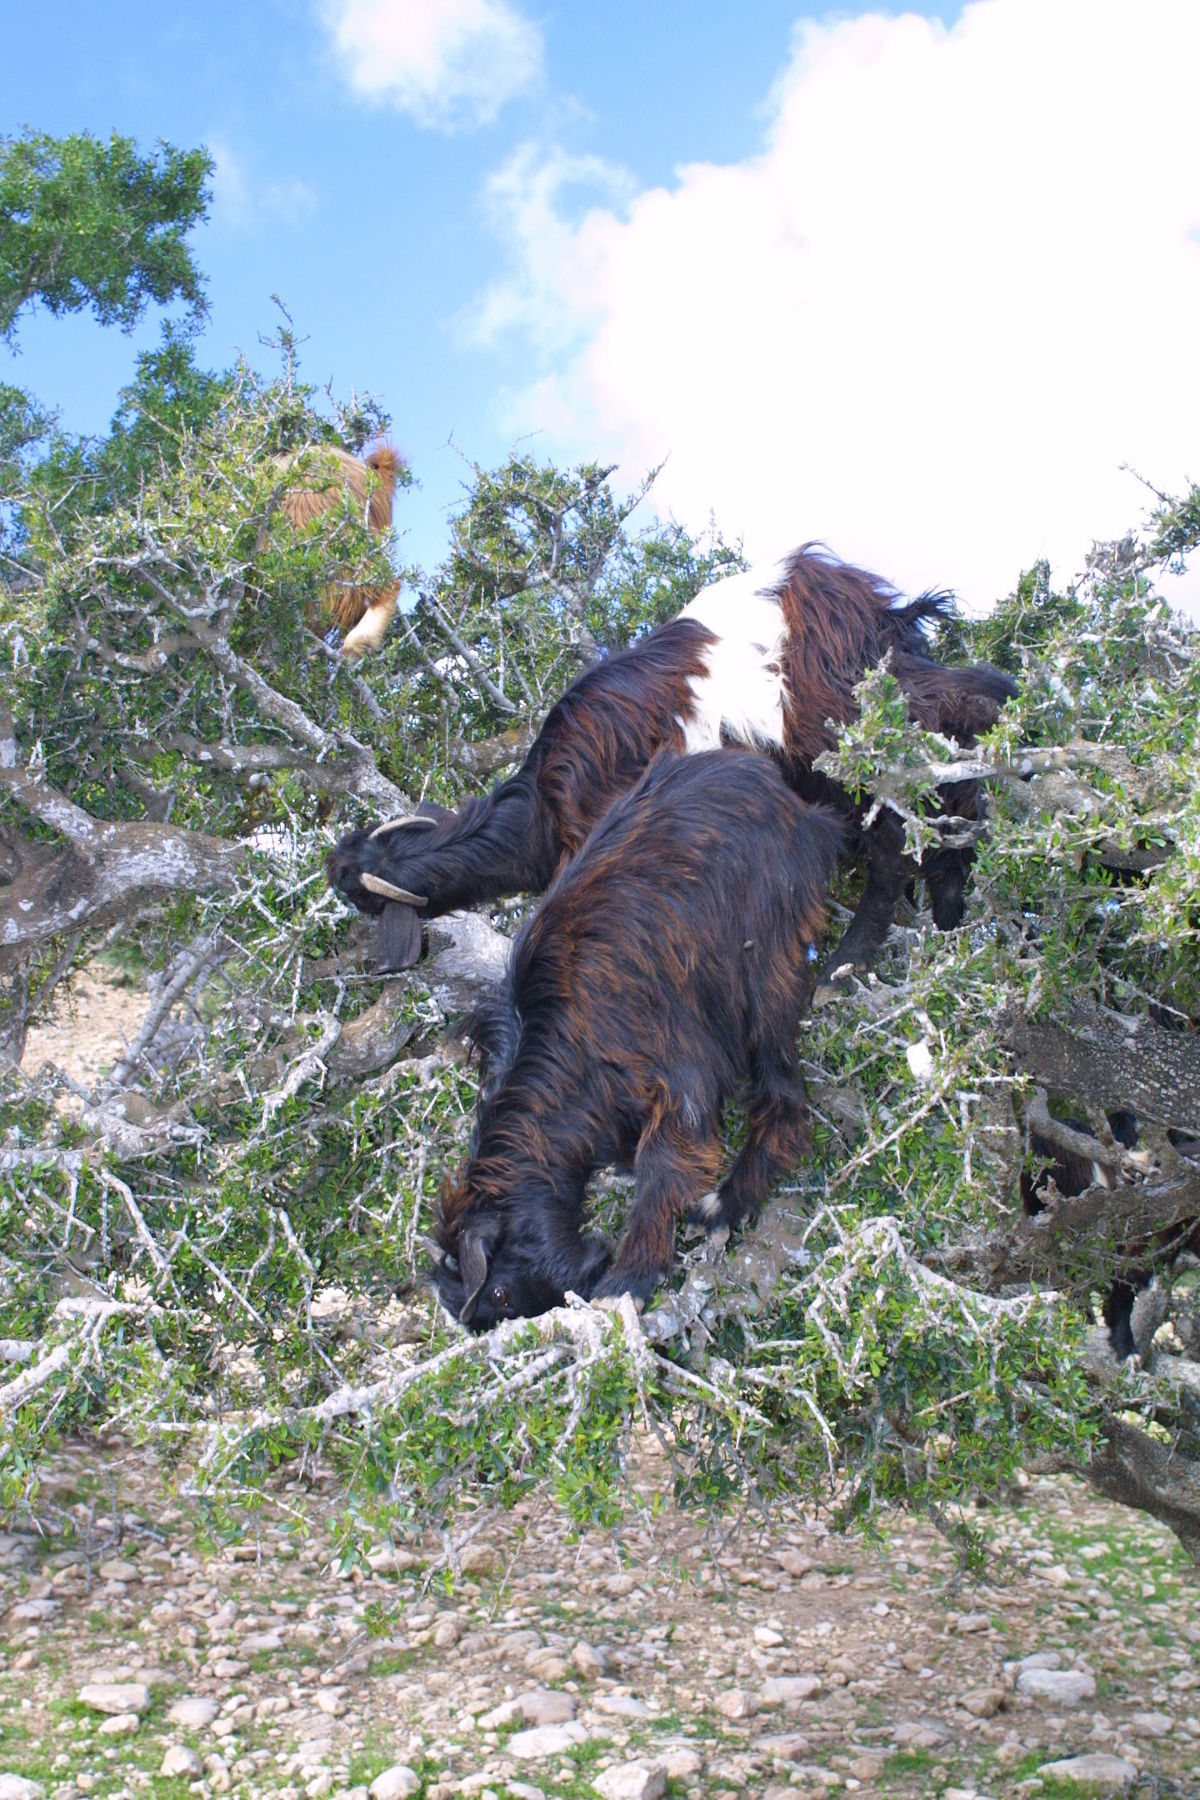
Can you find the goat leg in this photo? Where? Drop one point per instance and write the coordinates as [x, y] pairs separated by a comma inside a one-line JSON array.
[[673, 1165], [887, 871]]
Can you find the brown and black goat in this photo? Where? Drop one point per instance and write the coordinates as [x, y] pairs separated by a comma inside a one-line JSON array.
[[762, 663], [665, 971], [1072, 1174], [369, 486]]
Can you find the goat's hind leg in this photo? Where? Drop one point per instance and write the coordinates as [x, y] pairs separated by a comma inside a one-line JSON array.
[[675, 1163], [778, 1136]]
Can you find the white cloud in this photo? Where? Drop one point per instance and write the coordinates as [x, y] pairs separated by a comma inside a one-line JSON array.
[[446, 62], [244, 200], [955, 291]]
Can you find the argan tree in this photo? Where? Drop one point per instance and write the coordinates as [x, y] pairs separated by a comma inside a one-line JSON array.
[[220, 1244]]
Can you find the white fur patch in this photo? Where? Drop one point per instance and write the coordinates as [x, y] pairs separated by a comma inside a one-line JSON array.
[[707, 1206], [742, 693]]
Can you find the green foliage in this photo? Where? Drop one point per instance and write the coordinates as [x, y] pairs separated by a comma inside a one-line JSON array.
[[84, 224], [220, 1245]]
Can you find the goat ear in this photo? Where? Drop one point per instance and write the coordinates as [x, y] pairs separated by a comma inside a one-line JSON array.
[[473, 1266]]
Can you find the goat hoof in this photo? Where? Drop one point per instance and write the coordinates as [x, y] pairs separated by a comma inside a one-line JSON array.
[[705, 1210], [714, 1246]]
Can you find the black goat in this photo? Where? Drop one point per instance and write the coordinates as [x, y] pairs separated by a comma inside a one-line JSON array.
[[1072, 1174], [764, 665], [667, 967]]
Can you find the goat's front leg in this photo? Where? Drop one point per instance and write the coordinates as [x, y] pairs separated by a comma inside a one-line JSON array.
[[673, 1166], [887, 873]]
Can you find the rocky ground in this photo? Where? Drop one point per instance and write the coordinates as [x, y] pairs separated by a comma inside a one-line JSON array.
[[137, 1661]]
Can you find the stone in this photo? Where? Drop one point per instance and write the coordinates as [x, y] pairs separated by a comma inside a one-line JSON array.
[[589, 1662], [546, 1664], [32, 1612], [118, 1570], [793, 1562], [194, 1711], [1042, 1659], [680, 1764], [259, 1642], [971, 1622], [767, 1637], [477, 1559], [544, 1706], [1099, 1770], [1152, 1724], [115, 1697], [631, 1781], [623, 1706], [1062, 1687], [447, 1632], [120, 1725], [735, 1703], [919, 1734], [983, 1702], [19, 1787], [332, 1702], [788, 1691], [788, 1746], [396, 1783], [546, 1740], [179, 1760], [868, 1768]]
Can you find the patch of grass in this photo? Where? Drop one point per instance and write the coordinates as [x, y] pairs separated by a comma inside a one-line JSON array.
[[393, 1662], [370, 1759]]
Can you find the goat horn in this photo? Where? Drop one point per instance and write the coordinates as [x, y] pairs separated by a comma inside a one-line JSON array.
[[401, 825], [375, 884]]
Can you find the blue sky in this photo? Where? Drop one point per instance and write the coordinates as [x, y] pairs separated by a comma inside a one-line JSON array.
[[915, 281]]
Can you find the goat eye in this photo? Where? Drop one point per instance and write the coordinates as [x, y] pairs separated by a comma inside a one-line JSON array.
[[499, 1296]]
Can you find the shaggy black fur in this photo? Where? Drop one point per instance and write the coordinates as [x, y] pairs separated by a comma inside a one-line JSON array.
[[667, 968]]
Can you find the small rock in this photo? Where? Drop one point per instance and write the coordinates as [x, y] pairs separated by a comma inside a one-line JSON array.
[[396, 1783], [589, 1662], [867, 1768], [194, 1711], [32, 1612], [788, 1691], [788, 1746], [179, 1760], [477, 1559], [793, 1562], [971, 1622], [259, 1642], [767, 1637], [120, 1725], [447, 1632], [546, 1740], [1064, 1687], [631, 1781], [19, 1787], [115, 1697], [546, 1664], [983, 1702], [1152, 1724], [544, 1706], [1042, 1659], [623, 1706], [680, 1764], [118, 1571], [919, 1734], [1101, 1771], [736, 1703]]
